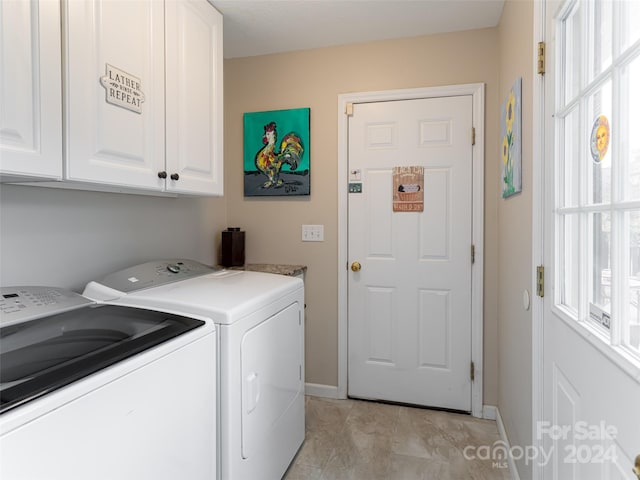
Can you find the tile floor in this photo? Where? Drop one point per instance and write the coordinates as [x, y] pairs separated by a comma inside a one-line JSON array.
[[357, 440]]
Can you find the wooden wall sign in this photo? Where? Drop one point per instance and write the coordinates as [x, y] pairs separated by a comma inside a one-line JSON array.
[[408, 189]]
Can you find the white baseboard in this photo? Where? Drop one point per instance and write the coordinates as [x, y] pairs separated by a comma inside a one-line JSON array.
[[489, 412], [318, 390], [503, 436]]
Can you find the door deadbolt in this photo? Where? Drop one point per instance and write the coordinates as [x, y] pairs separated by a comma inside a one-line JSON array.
[[355, 267]]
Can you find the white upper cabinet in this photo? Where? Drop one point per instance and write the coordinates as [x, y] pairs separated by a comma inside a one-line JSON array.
[[194, 113], [114, 74], [144, 95], [30, 91], [140, 85]]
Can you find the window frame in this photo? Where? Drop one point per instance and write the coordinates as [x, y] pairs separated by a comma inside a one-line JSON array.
[[614, 341]]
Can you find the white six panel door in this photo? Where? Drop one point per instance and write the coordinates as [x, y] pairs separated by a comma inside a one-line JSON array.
[[410, 304]]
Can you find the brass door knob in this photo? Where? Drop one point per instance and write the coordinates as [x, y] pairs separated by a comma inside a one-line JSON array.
[[355, 267]]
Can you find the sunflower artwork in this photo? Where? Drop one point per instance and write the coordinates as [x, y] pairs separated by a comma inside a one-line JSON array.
[[511, 133]]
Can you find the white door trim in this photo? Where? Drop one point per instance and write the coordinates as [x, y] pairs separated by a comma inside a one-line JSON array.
[[477, 283], [537, 243]]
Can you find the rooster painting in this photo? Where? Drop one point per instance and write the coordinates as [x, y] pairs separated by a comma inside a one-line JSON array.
[[269, 162], [276, 164]]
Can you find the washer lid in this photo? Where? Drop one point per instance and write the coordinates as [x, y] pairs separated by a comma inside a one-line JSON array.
[[42, 355]]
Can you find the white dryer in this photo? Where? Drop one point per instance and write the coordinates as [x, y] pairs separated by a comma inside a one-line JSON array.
[[259, 318]]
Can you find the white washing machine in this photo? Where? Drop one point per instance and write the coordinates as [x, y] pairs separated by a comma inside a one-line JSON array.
[[259, 318], [103, 392]]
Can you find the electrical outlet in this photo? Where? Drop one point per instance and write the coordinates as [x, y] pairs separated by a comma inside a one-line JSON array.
[[313, 233]]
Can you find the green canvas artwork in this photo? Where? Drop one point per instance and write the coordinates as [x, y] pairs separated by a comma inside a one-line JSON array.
[[276, 153]]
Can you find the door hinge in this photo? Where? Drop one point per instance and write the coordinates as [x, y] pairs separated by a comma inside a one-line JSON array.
[[540, 280], [472, 372], [541, 57], [473, 135], [348, 110], [473, 254]]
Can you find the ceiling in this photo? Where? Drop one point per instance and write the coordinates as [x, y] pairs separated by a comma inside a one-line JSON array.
[[259, 27]]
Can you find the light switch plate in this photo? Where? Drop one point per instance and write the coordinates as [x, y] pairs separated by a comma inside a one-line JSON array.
[[313, 233]]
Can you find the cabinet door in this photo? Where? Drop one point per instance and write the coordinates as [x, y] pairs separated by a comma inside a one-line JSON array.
[[194, 113], [30, 90], [115, 92]]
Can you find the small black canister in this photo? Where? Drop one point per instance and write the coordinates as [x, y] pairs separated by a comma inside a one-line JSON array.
[[232, 247]]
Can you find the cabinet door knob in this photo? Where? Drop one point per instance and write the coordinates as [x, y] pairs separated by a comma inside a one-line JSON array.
[[175, 176], [162, 174]]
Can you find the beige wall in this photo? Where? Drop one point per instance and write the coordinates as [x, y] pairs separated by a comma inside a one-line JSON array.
[[515, 236], [314, 79], [53, 236]]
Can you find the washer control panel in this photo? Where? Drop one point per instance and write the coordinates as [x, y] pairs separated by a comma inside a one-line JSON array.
[[20, 304], [147, 275]]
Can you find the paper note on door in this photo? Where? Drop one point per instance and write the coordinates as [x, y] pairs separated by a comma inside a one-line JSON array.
[[408, 189]]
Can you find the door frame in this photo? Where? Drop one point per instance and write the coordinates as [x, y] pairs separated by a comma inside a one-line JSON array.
[[476, 90], [537, 242]]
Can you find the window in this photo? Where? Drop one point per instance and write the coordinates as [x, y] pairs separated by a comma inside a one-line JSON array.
[[597, 214]]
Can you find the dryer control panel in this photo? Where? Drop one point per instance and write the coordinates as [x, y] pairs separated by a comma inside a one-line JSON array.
[[145, 275], [20, 304]]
